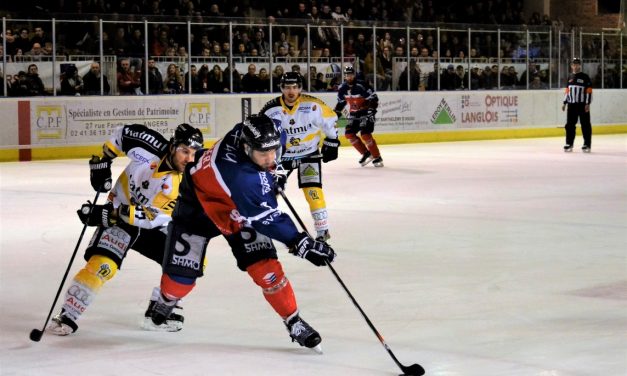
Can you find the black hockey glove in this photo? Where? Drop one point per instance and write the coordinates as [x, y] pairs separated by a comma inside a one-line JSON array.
[[280, 178], [329, 149], [318, 253], [100, 173], [99, 215], [370, 115]]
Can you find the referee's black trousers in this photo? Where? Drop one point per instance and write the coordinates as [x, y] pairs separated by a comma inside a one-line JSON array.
[[577, 111]]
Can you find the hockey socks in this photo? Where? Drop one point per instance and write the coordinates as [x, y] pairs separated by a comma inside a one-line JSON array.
[[371, 145], [82, 292], [356, 142], [277, 290]]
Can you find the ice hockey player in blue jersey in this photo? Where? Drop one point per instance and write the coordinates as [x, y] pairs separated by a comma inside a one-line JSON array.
[[229, 190], [359, 101]]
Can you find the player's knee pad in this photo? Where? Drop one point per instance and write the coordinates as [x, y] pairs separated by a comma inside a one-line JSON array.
[[98, 270], [315, 198], [176, 287], [268, 274]]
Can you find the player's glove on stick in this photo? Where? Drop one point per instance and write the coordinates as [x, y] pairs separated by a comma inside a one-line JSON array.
[[100, 215], [370, 115], [329, 149], [318, 253], [280, 178], [100, 173]]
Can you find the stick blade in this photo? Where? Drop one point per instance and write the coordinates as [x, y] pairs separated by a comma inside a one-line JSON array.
[[35, 335], [413, 370]]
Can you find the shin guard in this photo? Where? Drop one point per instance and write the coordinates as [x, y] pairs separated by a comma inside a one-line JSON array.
[[86, 285], [268, 274], [356, 142], [371, 144]]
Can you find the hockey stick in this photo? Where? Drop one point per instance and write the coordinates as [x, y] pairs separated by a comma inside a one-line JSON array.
[[35, 334], [414, 369]]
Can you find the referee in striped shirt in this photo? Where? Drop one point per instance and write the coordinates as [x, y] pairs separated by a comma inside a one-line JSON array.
[[578, 98]]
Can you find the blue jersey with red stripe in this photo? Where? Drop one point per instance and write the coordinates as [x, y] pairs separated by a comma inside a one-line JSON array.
[[233, 191]]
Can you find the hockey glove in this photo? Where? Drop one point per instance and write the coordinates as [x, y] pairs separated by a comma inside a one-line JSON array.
[[99, 215], [280, 178], [370, 115], [318, 253], [100, 173], [329, 149]]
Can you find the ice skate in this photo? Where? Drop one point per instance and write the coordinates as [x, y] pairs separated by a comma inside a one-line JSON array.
[[173, 323], [302, 333], [365, 158], [377, 162], [585, 149], [568, 148], [161, 310], [62, 325], [323, 235]]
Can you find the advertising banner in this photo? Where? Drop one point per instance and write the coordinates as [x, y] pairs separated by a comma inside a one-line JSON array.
[[93, 120]]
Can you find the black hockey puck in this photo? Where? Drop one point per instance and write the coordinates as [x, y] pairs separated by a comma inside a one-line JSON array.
[[35, 335]]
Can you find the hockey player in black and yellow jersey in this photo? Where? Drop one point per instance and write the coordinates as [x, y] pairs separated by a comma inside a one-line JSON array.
[[135, 216], [578, 98], [301, 119]]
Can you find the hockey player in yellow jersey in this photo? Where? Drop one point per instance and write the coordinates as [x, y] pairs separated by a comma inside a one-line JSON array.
[[301, 118], [135, 216]]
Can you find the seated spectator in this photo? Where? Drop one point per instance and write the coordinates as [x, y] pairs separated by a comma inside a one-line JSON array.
[[173, 84], [277, 73], [19, 86], [71, 82], [537, 84], [91, 81], [250, 81], [449, 80], [36, 53], [22, 42], [413, 70], [129, 81], [432, 78], [35, 84], [232, 74], [264, 81], [195, 84], [216, 82], [155, 79], [318, 83]]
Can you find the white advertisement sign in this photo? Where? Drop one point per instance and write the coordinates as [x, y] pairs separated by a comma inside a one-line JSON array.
[[92, 120]]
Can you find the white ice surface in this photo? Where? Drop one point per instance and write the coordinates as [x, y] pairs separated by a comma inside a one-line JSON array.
[[503, 257]]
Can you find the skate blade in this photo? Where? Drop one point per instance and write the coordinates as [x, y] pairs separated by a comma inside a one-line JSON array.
[[168, 326], [317, 349]]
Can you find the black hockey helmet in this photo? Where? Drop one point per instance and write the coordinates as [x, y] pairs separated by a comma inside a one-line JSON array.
[[260, 133], [576, 61], [292, 78], [187, 135], [349, 69]]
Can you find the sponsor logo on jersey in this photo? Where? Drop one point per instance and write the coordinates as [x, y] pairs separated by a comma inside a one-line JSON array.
[[115, 240], [265, 184], [262, 243], [138, 196], [304, 109], [145, 137], [139, 157], [297, 130]]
